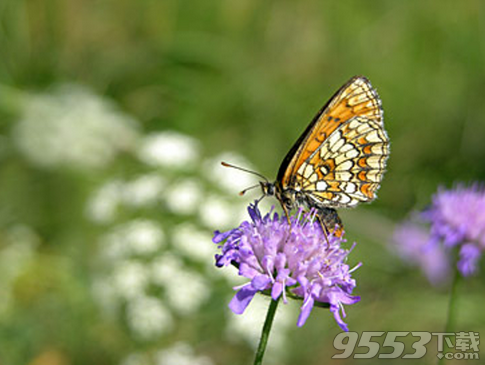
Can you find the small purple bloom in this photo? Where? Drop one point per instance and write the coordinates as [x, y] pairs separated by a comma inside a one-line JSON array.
[[285, 262], [457, 219]]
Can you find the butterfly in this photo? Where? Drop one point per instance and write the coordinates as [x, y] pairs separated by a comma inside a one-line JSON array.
[[340, 158]]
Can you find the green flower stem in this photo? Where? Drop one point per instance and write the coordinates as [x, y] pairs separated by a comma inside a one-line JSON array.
[[452, 310], [258, 360]]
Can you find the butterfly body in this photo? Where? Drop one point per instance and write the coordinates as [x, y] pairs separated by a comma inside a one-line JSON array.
[[289, 198], [340, 158]]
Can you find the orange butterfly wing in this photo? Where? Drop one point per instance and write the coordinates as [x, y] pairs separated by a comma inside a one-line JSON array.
[[340, 159]]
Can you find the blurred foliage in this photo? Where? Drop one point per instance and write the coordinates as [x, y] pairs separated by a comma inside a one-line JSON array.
[[244, 76]]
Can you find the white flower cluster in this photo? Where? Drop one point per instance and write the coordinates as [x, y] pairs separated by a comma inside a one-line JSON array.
[[177, 193], [149, 272], [179, 354], [169, 149], [74, 128]]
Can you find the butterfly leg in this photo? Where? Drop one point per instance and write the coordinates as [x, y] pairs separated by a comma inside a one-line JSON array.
[[325, 230], [285, 209]]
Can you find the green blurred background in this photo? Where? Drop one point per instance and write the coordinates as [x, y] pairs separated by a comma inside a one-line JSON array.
[[105, 252]]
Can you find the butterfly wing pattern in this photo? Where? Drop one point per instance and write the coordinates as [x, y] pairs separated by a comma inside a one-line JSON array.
[[340, 159]]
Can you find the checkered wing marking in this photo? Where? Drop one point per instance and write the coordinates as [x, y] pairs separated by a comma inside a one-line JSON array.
[[347, 167], [356, 98]]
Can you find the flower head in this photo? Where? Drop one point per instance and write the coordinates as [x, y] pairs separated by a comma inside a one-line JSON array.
[[73, 128], [286, 260], [457, 218]]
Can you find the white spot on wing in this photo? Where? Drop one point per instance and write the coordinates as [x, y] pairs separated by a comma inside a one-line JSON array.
[[352, 153], [346, 147], [338, 145], [374, 175], [344, 198], [321, 185], [334, 137], [345, 166], [350, 187], [354, 124], [343, 176], [378, 149], [308, 171], [374, 162], [364, 127], [323, 151], [373, 137]]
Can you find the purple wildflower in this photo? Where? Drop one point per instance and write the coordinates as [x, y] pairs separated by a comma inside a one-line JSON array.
[[285, 263], [457, 219]]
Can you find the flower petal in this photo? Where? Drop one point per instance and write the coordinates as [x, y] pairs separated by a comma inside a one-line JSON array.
[[469, 256], [334, 308], [260, 282], [277, 290], [254, 213], [305, 311], [241, 300], [221, 236]]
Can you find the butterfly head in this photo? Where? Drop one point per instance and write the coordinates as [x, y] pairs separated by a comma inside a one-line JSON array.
[[268, 188], [287, 197]]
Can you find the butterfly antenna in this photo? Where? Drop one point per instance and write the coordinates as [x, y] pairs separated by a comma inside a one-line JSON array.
[[225, 164], [241, 193]]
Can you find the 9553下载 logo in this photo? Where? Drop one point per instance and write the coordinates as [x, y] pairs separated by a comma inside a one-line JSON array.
[[391, 345]]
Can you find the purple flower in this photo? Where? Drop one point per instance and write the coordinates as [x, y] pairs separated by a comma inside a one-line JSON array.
[[458, 216], [457, 220], [413, 245], [297, 262]]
